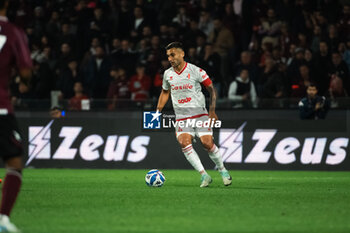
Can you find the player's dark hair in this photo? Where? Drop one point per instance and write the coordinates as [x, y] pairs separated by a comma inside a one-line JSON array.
[[335, 52], [141, 65], [139, 6], [217, 17], [312, 84], [323, 41], [194, 19], [55, 107], [176, 44]]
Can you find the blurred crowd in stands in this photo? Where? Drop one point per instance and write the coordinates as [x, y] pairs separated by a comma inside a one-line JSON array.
[[98, 49]]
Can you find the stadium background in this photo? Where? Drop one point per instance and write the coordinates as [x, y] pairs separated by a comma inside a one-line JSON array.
[[110, 55], [94, 46], [101, 43]]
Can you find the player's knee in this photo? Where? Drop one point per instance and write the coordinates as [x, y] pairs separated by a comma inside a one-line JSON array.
[[184, 141], [18, 168], [207, 143], [15, 164]]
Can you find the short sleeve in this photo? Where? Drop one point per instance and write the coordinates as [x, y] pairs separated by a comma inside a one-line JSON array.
[[203, 77], [165, 84]]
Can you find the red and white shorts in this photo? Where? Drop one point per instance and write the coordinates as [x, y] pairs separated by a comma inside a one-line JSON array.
[[194, 130]]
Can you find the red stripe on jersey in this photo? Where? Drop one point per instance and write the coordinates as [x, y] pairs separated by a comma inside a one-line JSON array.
[[207, 82], [181, 70], [195, 116]]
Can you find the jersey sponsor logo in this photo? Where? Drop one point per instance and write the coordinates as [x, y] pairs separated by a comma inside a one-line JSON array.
[[286, 150], [90, 147], [181, 87], [185, 100]]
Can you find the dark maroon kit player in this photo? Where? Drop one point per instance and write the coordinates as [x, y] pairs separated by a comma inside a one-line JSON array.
[[14, 53]]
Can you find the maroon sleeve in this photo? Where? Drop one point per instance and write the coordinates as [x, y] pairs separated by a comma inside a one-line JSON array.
[[21, 50]]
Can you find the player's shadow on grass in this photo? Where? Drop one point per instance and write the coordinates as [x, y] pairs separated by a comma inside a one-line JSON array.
[[222, 187], [251, 188], [182, 185]]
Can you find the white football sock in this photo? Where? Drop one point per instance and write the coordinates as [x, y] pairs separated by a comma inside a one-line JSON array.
[[192, 157], [215, 156]]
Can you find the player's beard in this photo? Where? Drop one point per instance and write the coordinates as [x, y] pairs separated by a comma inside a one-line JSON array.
[[175, 64]]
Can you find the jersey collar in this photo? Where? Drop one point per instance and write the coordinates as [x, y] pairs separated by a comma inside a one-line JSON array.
[[181, 70]]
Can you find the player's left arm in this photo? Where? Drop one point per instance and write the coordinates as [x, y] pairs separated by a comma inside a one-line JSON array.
[[212, 103], [206, 81]]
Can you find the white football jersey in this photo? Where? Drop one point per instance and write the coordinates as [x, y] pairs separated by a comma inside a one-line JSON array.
[[186, 91]]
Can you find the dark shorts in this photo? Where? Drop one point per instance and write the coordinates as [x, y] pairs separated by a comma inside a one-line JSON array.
[[10, 138]]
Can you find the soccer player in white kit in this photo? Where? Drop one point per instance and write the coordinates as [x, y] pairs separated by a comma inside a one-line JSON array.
[[183, 81]]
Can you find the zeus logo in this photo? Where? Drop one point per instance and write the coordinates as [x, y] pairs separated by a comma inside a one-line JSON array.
[[91, 148], [310, 150], [231, 144], [39, 142]]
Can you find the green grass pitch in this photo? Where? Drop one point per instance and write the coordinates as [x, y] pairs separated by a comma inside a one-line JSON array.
[[101, 201]]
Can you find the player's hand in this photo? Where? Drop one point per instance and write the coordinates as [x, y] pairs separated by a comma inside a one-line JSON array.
[[318, 106], [245, 96], [213, 116], [278, 94]]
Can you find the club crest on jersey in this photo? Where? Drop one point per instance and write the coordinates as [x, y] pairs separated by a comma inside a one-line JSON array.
[[188, 76], [171, 78]]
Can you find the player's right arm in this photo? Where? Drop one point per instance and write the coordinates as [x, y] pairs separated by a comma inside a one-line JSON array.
[[305, 112], [163, 99], [22, 55], [164, 95]]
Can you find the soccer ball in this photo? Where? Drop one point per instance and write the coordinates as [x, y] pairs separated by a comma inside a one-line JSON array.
[[155, 178]]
